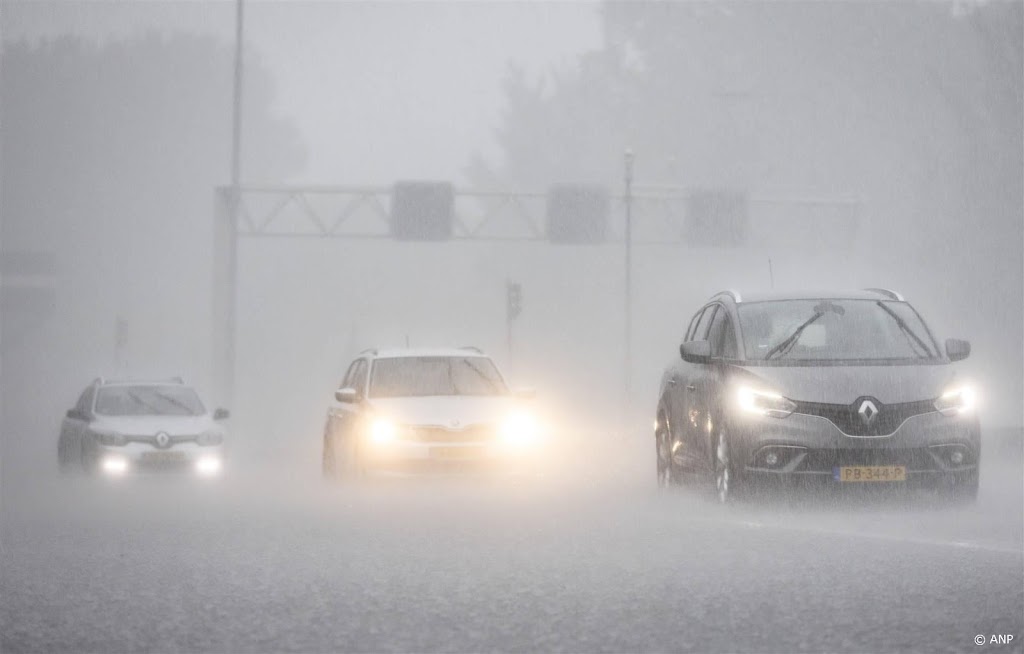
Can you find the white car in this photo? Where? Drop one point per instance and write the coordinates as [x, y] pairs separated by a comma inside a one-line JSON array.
[[411, 410], [120, 427]]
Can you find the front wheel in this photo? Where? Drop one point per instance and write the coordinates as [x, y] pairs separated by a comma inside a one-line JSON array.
[[667, 474], [64, 462], [328, 466], [728, 485]]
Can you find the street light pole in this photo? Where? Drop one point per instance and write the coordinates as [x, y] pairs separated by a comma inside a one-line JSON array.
[[236, 200], [627, 368]]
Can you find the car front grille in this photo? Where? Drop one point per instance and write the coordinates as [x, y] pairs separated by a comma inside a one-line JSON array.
[[849, 421], [430, 434], [824, 460], [151, 439]]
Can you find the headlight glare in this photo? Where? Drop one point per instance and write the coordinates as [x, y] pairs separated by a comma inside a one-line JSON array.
[[383, 431], [764, 403], [957, 401], [520, 430], [208, 466], [114, 465]]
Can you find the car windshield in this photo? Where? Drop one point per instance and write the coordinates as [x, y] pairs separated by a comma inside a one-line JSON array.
[[834, 330], [430, 376], [148, 401]]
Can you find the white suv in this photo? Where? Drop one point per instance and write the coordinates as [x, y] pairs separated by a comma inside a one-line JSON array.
[[427, 409]]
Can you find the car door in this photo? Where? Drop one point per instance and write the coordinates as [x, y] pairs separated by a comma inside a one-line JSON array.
[[345, 416], [74, 427], [711, 383], [338, 411], [682, 381]]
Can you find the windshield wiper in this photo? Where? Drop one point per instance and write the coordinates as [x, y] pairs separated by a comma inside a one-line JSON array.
[[787, 344], [176, 402], [908, 333], [480, 373], [144, 403]]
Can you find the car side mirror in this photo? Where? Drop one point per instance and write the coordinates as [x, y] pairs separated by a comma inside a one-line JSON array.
[[346, 395], [695, 351], [73, 414], [957, 349], [221, 414], [526, 393]]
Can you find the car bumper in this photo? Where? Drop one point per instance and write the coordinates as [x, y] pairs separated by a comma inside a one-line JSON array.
[[927, 450], [453, 457], [138, 458]]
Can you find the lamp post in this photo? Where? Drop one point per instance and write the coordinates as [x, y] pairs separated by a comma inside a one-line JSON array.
[[628, 363], [235, 202]]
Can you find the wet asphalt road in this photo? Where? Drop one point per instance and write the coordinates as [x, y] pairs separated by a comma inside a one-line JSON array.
[[277, 562]]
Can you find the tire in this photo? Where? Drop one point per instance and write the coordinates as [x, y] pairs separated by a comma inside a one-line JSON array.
[[328, 466], [728, 485], [662, 453], [667, 474], [63, 459]]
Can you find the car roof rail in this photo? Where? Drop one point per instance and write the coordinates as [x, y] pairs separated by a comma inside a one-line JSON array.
[[471, 348], [370, 350], [731, 293], [889, 293]]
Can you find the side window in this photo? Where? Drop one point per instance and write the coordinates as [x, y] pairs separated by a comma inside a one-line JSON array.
[[722, 336], [700, 333], [358, 381], [84, 404], [691, 328], [346, 381]]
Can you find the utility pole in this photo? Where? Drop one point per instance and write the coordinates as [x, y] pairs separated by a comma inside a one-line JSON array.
[[513, 307], [236, 201], [628, 363]]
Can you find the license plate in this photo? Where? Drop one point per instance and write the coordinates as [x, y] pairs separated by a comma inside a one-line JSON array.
[[455, 453], [163, 457], [869, 473]]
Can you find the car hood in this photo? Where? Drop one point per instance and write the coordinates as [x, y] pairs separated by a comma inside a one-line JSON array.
[[443, 411], [148, 425], [844, 384]]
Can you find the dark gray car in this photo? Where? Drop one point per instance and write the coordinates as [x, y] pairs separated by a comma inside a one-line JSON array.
[[844, 389]]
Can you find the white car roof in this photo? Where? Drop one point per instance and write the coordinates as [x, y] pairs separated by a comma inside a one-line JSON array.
[[395, 353], [174, 381]]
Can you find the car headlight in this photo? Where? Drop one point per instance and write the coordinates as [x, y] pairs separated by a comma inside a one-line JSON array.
[[208, 466], [210, 438], [111, 438], [114, 465], [520, 430], [956, 401], [383, 431], [764, 403]]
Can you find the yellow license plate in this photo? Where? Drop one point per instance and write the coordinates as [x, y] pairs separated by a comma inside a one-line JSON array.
[[869, 473], [455, 453]]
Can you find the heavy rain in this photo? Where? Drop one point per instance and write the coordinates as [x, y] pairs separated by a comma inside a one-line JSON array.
[[511, 326]]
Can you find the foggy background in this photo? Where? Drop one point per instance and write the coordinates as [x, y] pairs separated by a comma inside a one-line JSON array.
[[116, 132]]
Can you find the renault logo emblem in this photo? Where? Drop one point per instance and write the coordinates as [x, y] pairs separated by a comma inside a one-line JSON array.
[[868, 412], [163, 439]]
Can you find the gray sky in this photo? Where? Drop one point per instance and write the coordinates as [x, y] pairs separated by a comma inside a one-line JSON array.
[[380, 91]]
